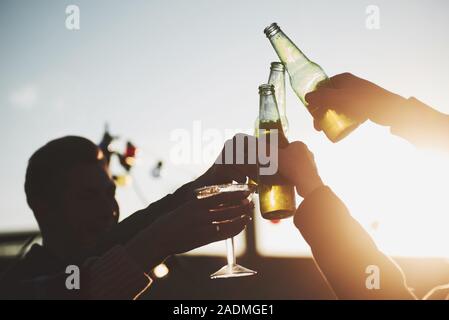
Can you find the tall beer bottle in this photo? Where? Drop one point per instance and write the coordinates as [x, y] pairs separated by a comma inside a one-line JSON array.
[[276, 196], [277, 79], [306, 76]]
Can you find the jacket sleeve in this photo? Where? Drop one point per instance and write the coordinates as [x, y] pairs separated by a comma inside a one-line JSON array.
[[112, 276], [115, 276], [139, 220], [345, 253], [422, 125]]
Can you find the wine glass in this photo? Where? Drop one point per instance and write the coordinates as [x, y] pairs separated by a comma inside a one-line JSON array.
[[231, 269]]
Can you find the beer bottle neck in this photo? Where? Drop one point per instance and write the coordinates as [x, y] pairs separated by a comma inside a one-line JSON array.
[[268, 111], [277, 79], [287, 51]]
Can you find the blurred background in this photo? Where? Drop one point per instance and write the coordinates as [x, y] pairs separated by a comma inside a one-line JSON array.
[[171, 75]]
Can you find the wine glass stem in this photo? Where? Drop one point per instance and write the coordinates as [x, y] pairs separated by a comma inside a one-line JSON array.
[[230, 253]]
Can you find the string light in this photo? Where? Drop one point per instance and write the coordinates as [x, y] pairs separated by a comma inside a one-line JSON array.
[[161, 271]]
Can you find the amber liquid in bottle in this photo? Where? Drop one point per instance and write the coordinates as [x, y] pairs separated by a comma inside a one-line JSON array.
[[277, 197]]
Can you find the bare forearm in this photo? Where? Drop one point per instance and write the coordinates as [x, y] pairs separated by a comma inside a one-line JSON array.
[[421, 125], [344, 251]]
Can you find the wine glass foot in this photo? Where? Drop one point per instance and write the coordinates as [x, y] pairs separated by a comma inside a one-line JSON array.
[[232, 271]]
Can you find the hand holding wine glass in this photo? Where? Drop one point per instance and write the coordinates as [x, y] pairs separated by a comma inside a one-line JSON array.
[[192, 225]]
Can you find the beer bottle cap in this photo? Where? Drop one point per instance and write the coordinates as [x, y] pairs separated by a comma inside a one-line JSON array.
[[271, 30], [266, 89], [277, 66]]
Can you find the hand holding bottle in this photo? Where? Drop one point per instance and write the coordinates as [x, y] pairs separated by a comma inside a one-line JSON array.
[[305, 77], [240, 146], [357, 98], [297, 164]]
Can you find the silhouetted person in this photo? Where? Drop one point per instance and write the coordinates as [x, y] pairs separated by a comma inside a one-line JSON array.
[[72, 197], [341, 248]]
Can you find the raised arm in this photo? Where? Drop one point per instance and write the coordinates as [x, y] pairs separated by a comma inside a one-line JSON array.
[[343, 251], [360, 99]]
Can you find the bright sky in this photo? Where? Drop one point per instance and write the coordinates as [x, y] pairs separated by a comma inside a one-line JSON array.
[[150, 68]]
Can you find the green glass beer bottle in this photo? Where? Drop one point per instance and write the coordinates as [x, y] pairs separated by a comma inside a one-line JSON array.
[[276, 196], [277, 79], [306, 76]]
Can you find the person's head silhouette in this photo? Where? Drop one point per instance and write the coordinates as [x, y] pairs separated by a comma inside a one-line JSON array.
[[72, 196]]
